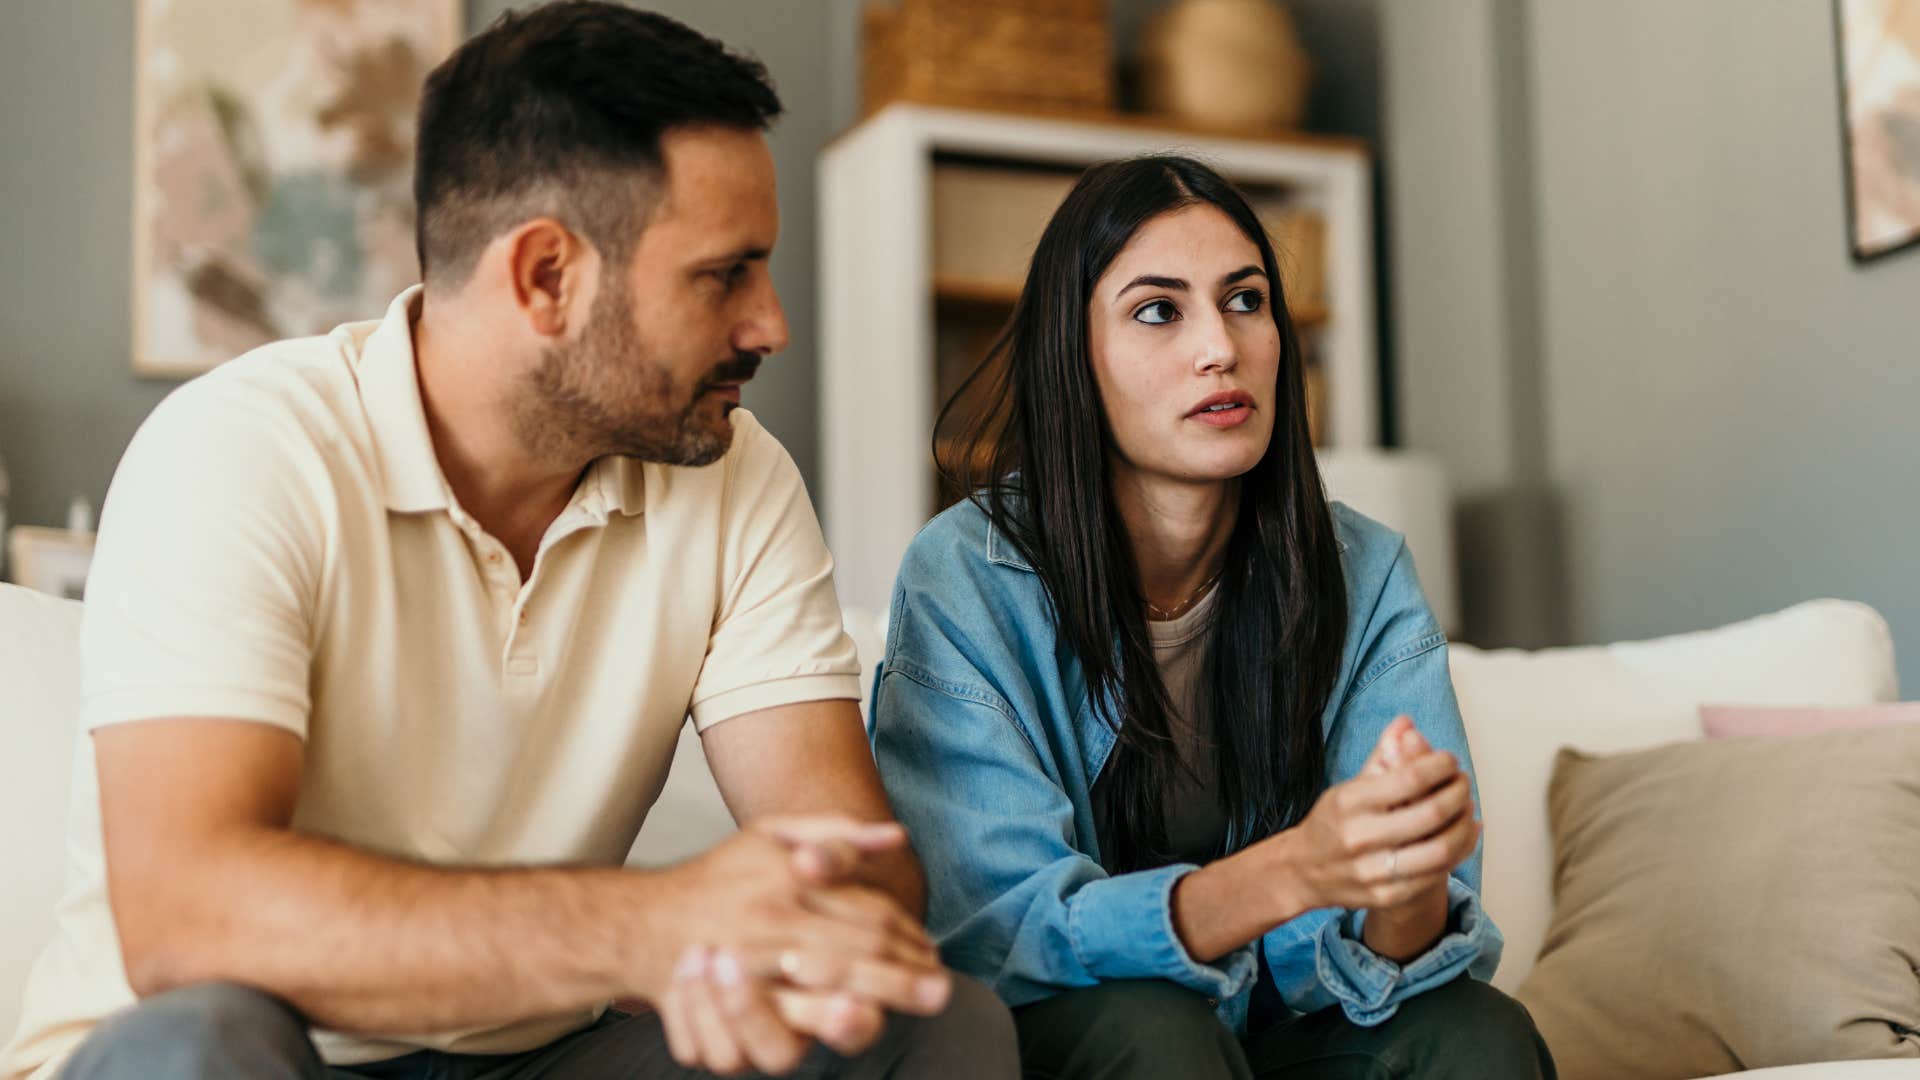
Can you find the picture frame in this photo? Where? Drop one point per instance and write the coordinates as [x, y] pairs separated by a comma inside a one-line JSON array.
[[52, 561], [1877, 51], [273, 160]]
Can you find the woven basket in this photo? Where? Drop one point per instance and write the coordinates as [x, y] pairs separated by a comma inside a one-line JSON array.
[[990, 54]]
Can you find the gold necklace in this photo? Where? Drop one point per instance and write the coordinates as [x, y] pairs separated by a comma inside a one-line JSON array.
[[1160, 614]]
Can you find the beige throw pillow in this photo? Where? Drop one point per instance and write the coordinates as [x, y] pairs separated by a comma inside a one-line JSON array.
[[1732, 905]]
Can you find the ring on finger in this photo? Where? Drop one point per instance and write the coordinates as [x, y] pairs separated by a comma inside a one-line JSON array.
[[789, 965], [1393, 864]]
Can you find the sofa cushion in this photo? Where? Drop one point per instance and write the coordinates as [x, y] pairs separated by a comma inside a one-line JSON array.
[[1746, 721], [1733, 903], [39, 707], [1521, 707]]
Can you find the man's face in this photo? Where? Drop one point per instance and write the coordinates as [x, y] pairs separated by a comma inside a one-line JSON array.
[[672, 337]]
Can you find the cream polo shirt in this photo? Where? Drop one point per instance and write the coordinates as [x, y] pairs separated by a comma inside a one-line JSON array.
[[280, 545]]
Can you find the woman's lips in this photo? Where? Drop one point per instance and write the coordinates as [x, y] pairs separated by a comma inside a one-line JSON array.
[[1231, 416]]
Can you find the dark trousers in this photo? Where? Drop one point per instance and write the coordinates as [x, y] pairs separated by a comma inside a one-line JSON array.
[[220, 1030], [1465, 1030]]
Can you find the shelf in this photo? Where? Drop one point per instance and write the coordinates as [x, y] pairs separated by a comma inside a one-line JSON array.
[[1138, 125]]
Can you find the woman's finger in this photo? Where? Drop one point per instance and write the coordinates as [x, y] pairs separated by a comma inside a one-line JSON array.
[[1440, 854], [1386, 749], [1415, 821], [1402, 783]]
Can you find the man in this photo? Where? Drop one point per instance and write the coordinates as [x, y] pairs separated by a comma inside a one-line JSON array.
[[392, 633]]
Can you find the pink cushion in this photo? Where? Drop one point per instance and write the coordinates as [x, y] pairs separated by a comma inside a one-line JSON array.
[[1735, 721]]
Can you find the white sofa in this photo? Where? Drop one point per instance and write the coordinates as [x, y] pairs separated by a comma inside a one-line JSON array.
[[1520, 707]]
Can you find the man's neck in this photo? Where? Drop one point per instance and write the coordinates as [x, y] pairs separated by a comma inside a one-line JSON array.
[[465, 394], [1179, 532]]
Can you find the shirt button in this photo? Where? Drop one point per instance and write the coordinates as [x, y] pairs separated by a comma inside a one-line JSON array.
[[493, 557]]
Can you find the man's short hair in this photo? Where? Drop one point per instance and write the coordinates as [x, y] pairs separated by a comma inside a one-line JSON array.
[[558, 111]]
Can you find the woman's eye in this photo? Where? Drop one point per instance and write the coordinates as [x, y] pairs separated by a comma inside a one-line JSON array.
[[1160, 311], [1246, 300]]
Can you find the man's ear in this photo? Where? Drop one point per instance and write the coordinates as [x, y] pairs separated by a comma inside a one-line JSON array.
[[549, 269]]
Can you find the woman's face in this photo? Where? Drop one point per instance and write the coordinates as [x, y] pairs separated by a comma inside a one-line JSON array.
[[1185, 352]]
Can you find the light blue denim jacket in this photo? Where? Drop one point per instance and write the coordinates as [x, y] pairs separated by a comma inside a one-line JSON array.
[[989, 749]]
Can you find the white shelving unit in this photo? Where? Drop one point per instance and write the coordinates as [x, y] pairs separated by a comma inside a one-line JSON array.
[[877, 305]]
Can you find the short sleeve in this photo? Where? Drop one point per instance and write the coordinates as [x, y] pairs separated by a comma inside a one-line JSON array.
[[200, 596], [778, 637]]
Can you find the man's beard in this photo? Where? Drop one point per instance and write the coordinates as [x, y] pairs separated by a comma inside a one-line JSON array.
[[603, 395]]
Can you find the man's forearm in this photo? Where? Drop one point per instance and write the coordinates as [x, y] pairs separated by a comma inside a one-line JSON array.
[[372, 945]]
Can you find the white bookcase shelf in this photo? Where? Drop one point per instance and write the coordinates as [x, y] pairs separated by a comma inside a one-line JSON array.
[[878, 306]]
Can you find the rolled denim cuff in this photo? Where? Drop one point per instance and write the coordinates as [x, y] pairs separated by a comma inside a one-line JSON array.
[[1122, 928], [1371, 987]]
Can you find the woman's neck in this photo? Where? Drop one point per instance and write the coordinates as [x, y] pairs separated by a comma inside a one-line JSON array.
[[1178, 531]]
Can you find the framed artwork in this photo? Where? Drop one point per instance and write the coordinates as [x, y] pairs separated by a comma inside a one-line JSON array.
[[50, 560], [1879, 54], [273, 161]]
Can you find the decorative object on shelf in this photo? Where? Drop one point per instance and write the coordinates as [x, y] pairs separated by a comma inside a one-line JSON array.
[[273, 160], [1406, 492], [1225, 64], [1045, 55], [1879, 47], [50, 560]]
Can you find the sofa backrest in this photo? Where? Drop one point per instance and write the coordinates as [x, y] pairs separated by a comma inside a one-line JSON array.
[[1521, 707]]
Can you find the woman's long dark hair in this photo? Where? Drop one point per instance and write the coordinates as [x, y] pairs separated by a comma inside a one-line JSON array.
[[1027, 437]]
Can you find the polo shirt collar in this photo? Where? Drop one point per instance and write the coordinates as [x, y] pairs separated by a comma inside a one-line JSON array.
[[390, 393]]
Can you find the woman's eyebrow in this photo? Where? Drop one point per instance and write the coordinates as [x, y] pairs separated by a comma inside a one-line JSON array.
[[1242, 274], [1155, 281]]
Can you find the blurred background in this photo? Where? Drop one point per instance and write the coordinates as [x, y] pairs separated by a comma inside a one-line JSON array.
[[1610, 303]]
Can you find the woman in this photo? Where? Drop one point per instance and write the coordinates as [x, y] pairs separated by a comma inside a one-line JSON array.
[[1144, 707]]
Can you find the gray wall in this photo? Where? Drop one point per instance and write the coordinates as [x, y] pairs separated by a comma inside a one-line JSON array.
[[1625, 288], [68, 401]]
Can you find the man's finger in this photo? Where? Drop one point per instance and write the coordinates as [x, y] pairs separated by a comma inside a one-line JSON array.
[[864, 836], [844, 1024], [916, 989], [673, 1020], [770, 1046], [720, 1051], [869, 907], [825, 862]]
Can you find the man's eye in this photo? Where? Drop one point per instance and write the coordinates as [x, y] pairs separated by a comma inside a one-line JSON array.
[[1160, 311]]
